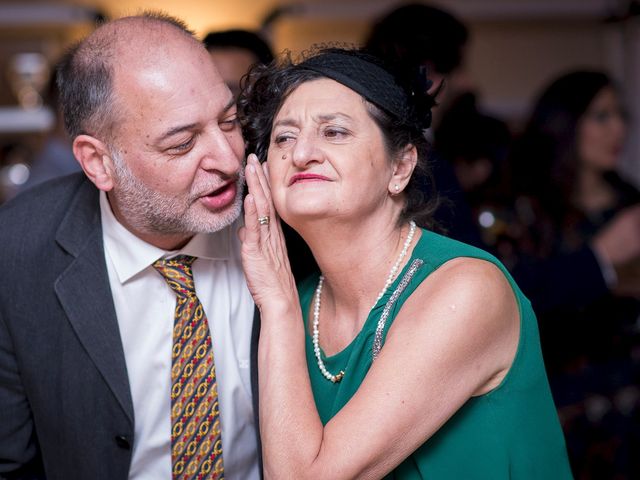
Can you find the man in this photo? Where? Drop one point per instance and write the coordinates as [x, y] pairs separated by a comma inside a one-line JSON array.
[[87, 384], [235, 52]]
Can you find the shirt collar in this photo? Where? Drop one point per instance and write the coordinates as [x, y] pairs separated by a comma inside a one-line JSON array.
[[131, 255]]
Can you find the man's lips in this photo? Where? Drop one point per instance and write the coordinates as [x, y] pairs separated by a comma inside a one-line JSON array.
[[220, 197], [305, 177]]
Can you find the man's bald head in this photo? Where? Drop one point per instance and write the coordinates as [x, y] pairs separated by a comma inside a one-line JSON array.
[[86, 74]]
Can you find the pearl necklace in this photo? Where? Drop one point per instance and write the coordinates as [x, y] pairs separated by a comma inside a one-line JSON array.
[[316, 305]]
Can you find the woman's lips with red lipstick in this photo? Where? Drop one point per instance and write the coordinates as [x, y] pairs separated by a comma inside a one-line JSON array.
[[305, 177]]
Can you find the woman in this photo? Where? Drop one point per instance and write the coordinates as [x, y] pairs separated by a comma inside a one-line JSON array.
[[566, 159], [569, 192], [407, 353]]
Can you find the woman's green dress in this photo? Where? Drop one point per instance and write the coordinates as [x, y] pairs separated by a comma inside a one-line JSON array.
[[511, 432]]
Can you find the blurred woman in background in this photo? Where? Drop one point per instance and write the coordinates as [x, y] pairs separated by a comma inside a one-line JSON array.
[[567, 191]]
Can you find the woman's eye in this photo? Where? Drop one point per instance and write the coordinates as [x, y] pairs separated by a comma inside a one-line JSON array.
[[283, 138], [601, 116], [335, 133]]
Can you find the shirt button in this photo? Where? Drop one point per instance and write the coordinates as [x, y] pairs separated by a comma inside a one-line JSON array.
[[123, 442]]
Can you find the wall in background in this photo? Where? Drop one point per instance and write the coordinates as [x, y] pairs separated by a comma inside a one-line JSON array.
[[516, 47]]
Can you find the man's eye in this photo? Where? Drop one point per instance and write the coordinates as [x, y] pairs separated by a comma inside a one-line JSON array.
[[229, 124], [183, 147]]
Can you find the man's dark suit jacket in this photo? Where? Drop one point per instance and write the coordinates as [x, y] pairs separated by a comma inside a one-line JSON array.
[[65, 402]]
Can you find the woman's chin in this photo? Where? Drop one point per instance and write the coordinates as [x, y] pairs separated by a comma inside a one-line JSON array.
[[300, 217]]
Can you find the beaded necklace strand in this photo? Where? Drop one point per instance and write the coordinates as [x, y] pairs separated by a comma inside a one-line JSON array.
[[316, 305]]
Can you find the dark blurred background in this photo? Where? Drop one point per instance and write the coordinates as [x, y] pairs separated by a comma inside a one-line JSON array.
[[516, 47], [548, 182]]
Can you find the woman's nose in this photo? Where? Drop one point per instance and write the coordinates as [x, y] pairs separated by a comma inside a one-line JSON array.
[[306, 150]]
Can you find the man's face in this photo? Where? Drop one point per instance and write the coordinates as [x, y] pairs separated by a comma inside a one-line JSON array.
[[177, 149]]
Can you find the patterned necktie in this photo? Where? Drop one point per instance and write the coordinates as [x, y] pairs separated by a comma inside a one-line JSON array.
[[196, 440]]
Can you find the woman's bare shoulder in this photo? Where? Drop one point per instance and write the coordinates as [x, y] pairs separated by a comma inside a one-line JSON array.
[[471, 287]]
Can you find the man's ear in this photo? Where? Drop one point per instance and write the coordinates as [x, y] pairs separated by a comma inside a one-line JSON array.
[[94, 158], [403, 169]]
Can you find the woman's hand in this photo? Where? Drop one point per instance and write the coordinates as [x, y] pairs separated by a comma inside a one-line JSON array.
[[264, 253], [283, 378]]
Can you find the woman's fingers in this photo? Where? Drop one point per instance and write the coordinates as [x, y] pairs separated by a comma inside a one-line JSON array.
[[265, 169], [259, 207], [277, 226], [251, 234], [262, 177], [259, 190], [259, 184]]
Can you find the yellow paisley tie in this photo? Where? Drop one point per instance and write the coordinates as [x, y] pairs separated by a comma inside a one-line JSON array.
[[196, 440]]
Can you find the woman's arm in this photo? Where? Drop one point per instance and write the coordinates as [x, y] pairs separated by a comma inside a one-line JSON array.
[[455, 337]]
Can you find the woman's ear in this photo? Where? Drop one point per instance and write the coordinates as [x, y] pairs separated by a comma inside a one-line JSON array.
[[95, 160], [403, 169]]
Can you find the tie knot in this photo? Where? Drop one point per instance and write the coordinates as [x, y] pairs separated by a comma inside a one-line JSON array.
[[177, 272]]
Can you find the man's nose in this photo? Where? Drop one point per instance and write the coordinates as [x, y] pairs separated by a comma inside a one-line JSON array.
[[223, 152]]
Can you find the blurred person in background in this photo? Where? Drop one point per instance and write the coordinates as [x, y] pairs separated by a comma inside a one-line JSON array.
[[424, 35], [570, 198], [419, 35], [478, 145], [234, 52], [55, 157]]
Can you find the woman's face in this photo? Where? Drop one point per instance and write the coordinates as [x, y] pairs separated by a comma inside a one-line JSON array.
[[601, 132], [327, 156]]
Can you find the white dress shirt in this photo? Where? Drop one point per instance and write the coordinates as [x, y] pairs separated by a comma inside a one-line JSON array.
[[145, 306]]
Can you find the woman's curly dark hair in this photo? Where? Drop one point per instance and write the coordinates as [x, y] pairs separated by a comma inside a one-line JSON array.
[[266, 87]]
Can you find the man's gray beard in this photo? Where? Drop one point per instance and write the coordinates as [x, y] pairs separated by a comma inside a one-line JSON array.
[[153, 212]]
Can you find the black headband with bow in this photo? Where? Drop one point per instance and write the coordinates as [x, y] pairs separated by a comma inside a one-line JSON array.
[[407, 101]]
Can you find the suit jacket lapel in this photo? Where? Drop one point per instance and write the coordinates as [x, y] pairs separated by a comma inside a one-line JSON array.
[[255, 336], [84, 292]]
